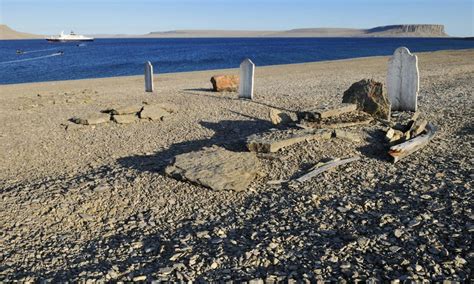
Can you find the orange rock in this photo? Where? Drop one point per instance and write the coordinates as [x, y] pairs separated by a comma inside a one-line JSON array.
[[225, 83]]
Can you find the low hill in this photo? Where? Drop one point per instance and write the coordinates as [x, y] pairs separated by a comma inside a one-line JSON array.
[[7, 33], [383, 31]]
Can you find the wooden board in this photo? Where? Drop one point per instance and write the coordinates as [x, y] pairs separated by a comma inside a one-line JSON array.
[[405, 149]]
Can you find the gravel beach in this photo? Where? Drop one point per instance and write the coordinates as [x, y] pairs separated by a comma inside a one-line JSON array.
[[93, 202]]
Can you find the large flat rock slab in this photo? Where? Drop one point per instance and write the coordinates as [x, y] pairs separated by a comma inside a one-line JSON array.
[[125, 119], [92, 119], [216, 168], [153, 112], [123, 110]]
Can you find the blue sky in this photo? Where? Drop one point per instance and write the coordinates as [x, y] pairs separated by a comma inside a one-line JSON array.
[[143, 16]]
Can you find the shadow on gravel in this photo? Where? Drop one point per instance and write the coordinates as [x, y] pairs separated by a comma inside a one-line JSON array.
[[467, 129], [209, 90], [212, 95], [229, 134], [217, 96], [377, 147]]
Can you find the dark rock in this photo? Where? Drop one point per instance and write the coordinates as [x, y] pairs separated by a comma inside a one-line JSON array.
[[369, 97]]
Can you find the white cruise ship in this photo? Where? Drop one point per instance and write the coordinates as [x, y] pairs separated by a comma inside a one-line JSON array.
[[70, 37]]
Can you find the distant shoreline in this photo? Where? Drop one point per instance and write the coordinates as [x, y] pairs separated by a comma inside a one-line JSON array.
[[327, 37], [410, 30]]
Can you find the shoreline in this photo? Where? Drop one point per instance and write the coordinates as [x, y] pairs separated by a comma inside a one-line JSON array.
[[260, 37], [234, 69]]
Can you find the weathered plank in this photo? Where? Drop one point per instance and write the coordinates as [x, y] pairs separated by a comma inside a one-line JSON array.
[[405, 149], [336, 125], [325, 167], [255, 143]]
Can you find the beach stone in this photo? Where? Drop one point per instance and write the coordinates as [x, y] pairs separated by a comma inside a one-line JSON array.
[[125, 119], [139, 278], [92, 119], [153, 112], [225, 83], [403, 80], [247, 77], [216, 168], [133, 109], [277, 117], [369, 96], [394, 135]]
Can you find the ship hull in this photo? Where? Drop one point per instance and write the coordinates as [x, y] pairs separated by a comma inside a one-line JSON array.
[[68, 40]]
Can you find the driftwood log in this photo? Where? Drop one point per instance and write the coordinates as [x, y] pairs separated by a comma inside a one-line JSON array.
[[403, 150], [325, 167]]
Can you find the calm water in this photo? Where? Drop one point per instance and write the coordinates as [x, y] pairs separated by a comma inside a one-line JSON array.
[[121, 57]]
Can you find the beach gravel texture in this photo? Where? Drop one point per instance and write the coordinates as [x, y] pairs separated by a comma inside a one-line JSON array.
[[92, 202]]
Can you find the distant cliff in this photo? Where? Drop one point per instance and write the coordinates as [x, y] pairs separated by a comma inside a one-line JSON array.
[[408, 30]]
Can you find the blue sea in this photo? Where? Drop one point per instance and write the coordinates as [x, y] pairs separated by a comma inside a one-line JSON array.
[[43, 61]]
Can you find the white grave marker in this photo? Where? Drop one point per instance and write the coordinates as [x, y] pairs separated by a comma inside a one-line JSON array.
[[247, 72], [148, 77], [403, 80]]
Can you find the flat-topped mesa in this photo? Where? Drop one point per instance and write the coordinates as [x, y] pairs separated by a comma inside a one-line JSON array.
[[413, 30]]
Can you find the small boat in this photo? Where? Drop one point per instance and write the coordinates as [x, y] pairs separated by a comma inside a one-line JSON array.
[[59, 52], [19, 51], [72, 37]]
